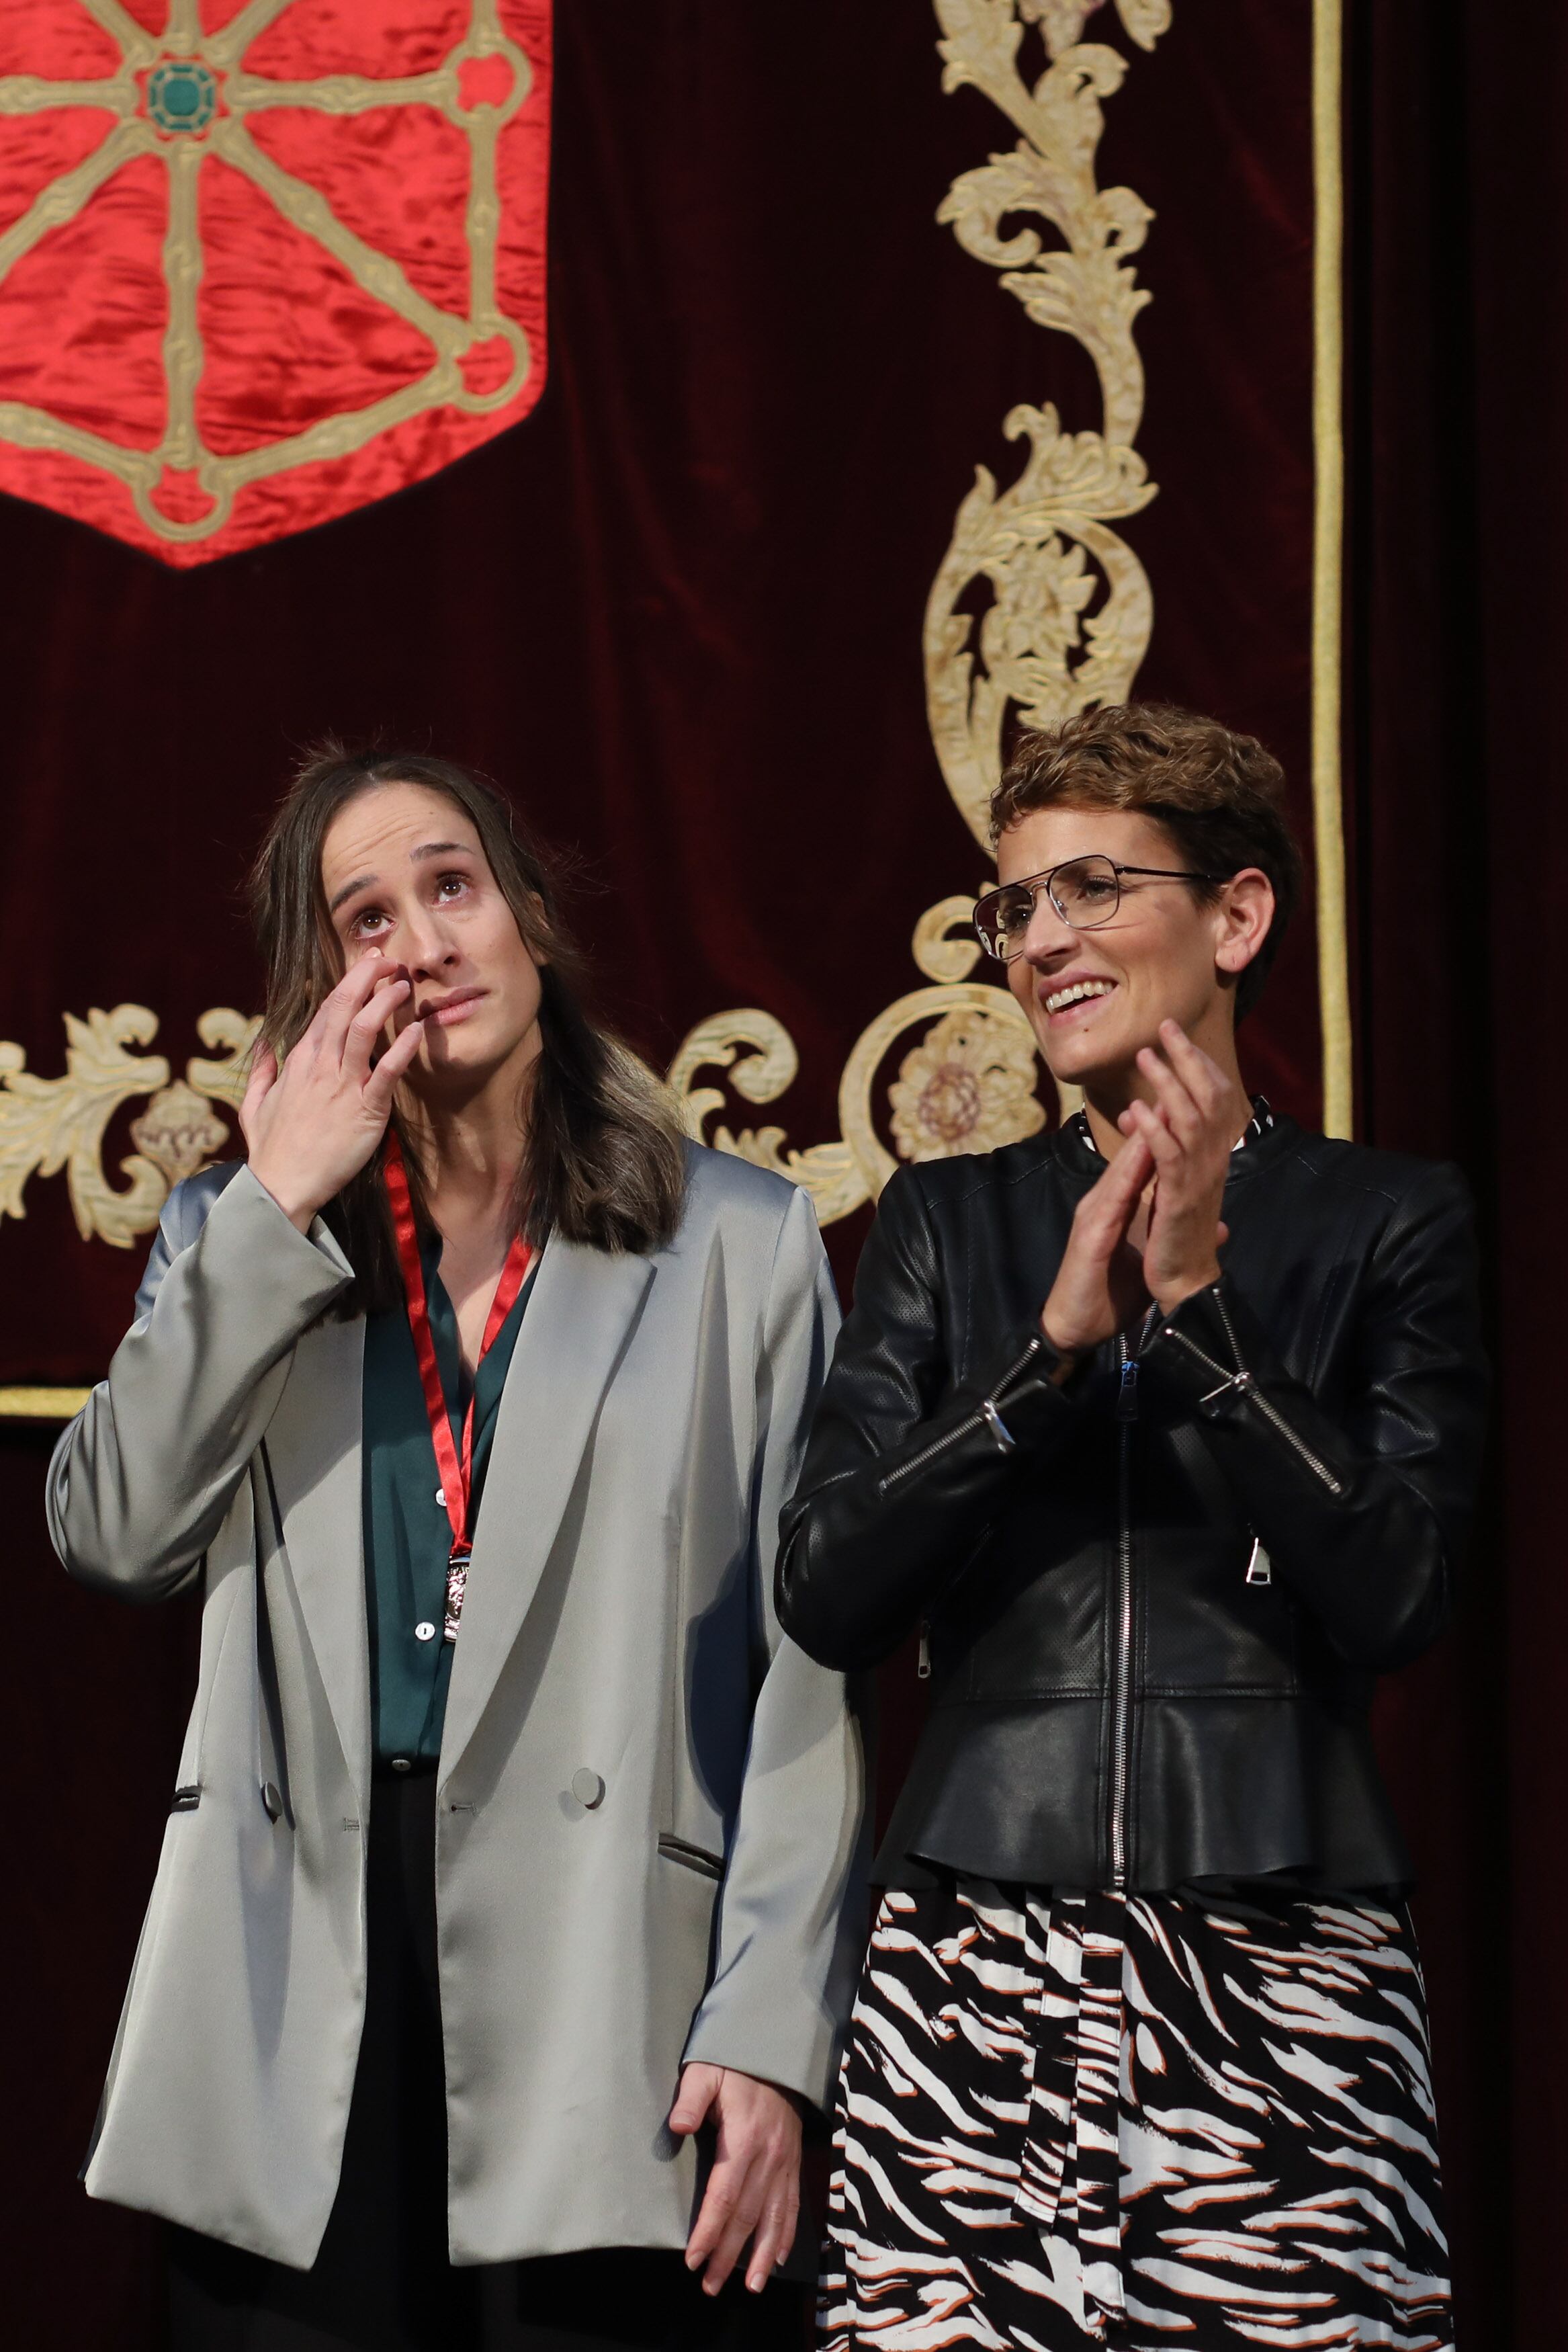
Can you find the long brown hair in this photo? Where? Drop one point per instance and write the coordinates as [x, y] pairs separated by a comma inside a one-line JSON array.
[[603, 1159]]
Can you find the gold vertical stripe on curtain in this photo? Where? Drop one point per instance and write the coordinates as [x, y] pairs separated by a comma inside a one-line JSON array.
[[1328, 556]]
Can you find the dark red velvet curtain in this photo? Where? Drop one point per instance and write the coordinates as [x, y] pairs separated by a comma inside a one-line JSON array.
[[1459, 203], [678, 612]]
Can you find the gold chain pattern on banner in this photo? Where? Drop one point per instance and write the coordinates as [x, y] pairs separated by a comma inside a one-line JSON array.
[[183, 95], [1045, 552]]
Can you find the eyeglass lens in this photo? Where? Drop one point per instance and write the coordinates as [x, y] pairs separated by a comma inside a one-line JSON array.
[[1084, 893]]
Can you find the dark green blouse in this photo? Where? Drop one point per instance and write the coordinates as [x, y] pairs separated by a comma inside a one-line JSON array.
[[408, 1537]]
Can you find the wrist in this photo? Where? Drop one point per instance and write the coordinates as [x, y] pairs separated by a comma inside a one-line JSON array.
[[301, 1213], [1066, 1351], [1170, 1295]]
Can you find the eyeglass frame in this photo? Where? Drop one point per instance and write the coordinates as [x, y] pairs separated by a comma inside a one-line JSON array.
[[1033, 883]]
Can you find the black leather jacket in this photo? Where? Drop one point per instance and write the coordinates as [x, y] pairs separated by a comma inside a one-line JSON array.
[[1156, 1598]]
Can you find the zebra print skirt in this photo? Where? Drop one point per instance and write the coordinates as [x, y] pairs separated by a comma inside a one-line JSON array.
[[1136, 2122]]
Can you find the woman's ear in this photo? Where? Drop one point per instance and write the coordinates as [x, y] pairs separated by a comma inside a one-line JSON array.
[[1243, 916], [541, 911]]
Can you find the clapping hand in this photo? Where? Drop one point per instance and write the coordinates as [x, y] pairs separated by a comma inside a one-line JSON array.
[[1189, 1131], [1182, 1141], [1099, 1286]]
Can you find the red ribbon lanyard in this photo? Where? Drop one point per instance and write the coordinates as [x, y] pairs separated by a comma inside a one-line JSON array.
[[456, 1470]]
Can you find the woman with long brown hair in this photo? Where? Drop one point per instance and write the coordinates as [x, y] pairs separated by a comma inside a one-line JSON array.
[[511, 1843]]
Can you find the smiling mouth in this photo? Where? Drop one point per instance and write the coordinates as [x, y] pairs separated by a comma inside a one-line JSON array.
[[452, 1008], [1077, 991]]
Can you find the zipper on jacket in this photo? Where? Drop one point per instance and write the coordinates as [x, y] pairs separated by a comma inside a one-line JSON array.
[[1007, 1442], [929, 1453], [985, 1416], [1241, 1380], [1121, 1689], [1270, 1413]]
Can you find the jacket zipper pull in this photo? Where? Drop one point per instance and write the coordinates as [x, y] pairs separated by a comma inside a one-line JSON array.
[[1127, 1393], [1260, 1567], [923, 1671]]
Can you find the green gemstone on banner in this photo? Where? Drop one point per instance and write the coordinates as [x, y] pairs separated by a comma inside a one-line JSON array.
[[181, 95]]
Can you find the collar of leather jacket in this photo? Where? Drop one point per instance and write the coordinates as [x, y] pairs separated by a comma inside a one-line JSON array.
[[1076, 1148]]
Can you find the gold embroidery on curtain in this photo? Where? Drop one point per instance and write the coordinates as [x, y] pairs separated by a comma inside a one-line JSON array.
[[50, 1124], [1044, 547], [1067, 623]]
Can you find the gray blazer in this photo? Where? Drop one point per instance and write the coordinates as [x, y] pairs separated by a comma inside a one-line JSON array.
[[618, 1623]]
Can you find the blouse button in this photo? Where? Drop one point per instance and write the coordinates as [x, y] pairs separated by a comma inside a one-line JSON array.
[[441, 1498], [424, 1631], [587, 1788]]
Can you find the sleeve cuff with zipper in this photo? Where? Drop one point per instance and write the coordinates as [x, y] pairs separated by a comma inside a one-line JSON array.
[[1356, 1543], [862, 1555], [1211, 1355]]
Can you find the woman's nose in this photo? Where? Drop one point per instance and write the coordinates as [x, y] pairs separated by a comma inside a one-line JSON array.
[[1047, 934], [421, 941]]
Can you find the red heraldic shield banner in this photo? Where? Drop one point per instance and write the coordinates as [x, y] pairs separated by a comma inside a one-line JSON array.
[[262, 261]]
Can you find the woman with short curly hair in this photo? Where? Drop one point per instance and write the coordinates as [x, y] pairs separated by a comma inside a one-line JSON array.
[[1164, 1429]]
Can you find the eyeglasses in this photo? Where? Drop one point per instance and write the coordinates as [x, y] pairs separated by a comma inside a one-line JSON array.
[[1085, 893]]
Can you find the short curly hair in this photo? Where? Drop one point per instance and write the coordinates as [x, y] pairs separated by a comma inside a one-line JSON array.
[[1220, 797]]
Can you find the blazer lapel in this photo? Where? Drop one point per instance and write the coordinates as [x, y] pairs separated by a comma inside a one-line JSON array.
[[313, 1447], [578, 1319]]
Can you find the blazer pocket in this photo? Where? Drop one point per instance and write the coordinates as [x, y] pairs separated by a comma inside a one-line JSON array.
[[692, 1857]]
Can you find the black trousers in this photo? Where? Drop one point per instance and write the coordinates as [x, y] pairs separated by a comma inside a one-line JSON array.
[[382, 2282]]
